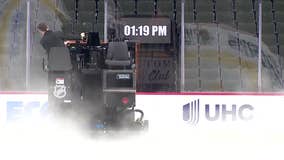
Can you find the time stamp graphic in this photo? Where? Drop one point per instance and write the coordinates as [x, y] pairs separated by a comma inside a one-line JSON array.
[[145, 30]]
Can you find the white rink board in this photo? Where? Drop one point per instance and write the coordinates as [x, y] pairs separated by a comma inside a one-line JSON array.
[[165, 111], [252, 111], [19, 105], [169, 136]]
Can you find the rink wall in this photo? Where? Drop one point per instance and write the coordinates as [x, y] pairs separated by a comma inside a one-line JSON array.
[[173, 110], [210, 110], [19, 105]]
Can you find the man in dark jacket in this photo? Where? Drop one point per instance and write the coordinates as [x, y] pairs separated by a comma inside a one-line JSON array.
[[49, 38], [59, 78]]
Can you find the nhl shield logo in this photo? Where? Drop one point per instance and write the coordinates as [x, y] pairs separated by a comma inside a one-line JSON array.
[[59, 91]]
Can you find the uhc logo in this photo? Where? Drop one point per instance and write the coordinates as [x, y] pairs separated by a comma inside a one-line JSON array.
[[192, 110], [225, 112]]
